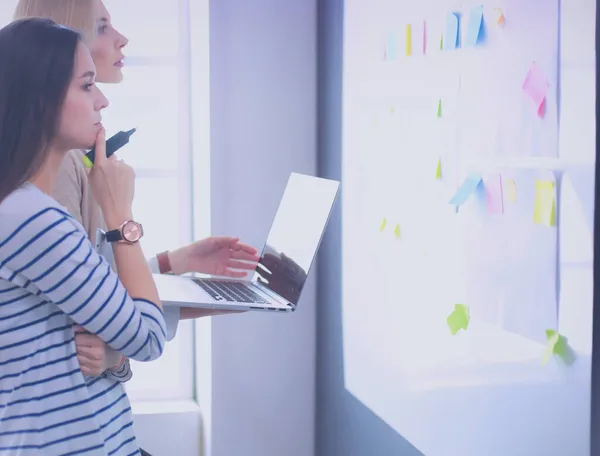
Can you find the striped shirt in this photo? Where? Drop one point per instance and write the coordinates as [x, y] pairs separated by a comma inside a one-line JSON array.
[[50, 278]]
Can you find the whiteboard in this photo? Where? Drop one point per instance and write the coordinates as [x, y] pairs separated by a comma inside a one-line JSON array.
[[408, 256]]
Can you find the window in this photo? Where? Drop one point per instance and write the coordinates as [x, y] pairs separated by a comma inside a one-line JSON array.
[[154, 97]]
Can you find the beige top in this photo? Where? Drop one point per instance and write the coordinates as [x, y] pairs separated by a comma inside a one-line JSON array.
[[73, 191]]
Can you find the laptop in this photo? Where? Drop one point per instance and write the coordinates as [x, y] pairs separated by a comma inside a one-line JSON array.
[[285, 262]]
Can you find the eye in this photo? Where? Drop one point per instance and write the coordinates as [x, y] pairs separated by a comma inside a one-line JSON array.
[[88, 87], [102, 29]]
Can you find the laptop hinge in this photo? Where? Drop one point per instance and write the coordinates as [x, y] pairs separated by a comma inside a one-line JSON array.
[[272, 294]]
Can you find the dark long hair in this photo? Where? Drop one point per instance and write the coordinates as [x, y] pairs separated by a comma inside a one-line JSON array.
[[37, 59]]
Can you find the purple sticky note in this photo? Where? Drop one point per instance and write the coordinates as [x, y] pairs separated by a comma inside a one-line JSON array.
[[536, 87], [493, 194]]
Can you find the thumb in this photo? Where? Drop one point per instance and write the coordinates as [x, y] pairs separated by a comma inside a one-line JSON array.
[[100, 147]]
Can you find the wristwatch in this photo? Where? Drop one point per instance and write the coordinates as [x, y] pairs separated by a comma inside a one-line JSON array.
[[129, 232]]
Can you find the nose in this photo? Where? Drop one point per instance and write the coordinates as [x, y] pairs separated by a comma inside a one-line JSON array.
[[123, 41], [100, 101]]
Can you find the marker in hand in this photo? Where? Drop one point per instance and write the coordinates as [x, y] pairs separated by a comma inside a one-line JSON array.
[[113, 144]]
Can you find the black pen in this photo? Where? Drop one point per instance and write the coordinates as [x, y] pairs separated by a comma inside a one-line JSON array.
[[113, 144]]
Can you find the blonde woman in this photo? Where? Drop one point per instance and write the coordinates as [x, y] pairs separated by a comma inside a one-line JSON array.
[[214, 255]]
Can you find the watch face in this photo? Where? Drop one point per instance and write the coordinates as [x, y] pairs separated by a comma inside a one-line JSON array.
[[132, 231]]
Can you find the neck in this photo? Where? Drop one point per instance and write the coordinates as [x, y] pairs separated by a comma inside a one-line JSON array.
[[46, 176]]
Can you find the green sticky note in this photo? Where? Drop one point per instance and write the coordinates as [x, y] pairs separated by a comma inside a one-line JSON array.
[[442, 43], [558, 345], [383, 224], [397, 230], [439, 109], [438, 169], [458, 319]]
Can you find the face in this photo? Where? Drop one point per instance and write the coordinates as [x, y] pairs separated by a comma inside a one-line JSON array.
[[81, 114], [107, 48]]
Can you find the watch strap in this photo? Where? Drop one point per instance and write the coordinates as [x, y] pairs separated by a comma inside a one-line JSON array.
[[113, 235], [164, 263]]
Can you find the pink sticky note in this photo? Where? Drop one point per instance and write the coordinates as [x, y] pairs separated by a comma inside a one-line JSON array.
[[536, 87], [493, 194]]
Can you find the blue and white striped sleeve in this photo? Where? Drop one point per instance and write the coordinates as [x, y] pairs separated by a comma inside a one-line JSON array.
[[52, 252]]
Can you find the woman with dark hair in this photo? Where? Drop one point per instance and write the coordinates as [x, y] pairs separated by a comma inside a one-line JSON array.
[[50, 275]]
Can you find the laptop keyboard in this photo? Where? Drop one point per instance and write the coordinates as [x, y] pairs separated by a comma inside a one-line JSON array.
[[230, 291]]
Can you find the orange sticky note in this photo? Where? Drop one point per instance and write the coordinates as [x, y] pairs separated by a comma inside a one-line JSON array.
[[498, 16]]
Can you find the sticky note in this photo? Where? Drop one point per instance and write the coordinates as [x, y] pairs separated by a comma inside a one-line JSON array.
[[458, 319], [558, 345], [408, 40], [536, 87], [438, 169], [439, 108], [466, 189], [475, 28], [424, 37], [397, 230], [391, 48], [511, 190], [493, 194], [442, 43], [498, 16], [383, 224], [452, 31], [544, 210]]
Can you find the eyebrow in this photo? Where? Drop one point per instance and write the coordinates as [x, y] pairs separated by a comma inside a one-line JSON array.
[[103, 19], [88, 74]]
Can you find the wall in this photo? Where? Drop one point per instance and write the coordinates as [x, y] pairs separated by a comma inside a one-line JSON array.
[[345, 426], [263, 111]]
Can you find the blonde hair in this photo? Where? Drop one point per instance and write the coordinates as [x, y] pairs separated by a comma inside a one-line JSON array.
[[79, 15]]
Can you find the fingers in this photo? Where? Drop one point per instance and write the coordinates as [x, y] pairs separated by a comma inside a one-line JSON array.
[[93, 354], [88, 340], [246, 256], [90, 367], [241, 247], [100, 147], [235, 264], [235, 274]]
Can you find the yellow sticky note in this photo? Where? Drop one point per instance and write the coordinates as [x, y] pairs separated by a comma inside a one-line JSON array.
[[438, 169], [408, 40], [511, 190], [458, 319], [383, 224], [558, 345], [397, 230], [544, 211], [439, 109], [498, 16]]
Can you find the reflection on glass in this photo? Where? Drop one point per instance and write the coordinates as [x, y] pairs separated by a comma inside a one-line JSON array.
[[295, 235]]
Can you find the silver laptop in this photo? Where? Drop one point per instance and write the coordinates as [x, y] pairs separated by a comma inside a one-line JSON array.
[[285, 261]]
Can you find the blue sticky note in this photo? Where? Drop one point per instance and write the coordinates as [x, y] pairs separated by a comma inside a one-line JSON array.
[[452, 32], [474, 32], [391, 49], [466, 189]]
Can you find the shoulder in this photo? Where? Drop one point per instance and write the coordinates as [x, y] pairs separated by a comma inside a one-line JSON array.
[[28, 210]]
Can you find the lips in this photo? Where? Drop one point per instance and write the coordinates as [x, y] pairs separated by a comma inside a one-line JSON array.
[[119, 63]]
